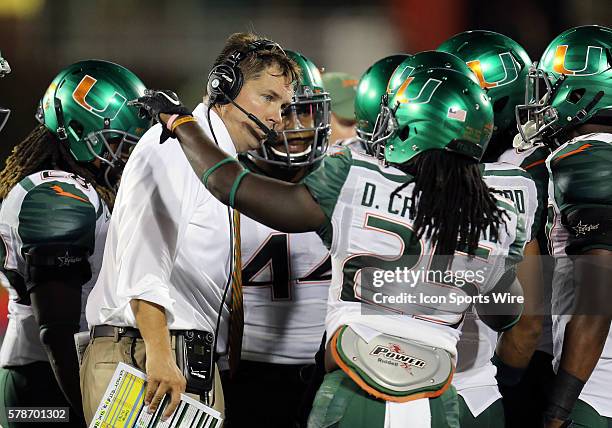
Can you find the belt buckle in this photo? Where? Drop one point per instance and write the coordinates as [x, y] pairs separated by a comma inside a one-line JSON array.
[[118, 333]]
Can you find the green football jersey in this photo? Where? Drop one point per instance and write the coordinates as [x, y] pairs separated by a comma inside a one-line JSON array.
[[47, 207], [370, 230], [580, 197]]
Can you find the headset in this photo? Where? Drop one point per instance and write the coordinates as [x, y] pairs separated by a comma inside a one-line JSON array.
[[225, 81]]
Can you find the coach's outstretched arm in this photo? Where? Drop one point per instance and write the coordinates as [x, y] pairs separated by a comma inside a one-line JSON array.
[[280, 205]]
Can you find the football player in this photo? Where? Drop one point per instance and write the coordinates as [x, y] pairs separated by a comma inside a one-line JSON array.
[[286, 277], [57, 190], [575, 115], [502, 66], [5, 69], [411, 214]]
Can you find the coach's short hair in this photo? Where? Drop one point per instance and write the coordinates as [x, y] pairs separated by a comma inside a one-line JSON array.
[[256, 62]]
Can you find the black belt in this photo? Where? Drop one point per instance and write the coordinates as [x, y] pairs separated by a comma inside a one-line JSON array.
[[105, 330], [116, 332]]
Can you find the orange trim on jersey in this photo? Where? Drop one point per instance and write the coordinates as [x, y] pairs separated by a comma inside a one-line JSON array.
[[376, 393], [573, 152], [536, 163], [60, 192]]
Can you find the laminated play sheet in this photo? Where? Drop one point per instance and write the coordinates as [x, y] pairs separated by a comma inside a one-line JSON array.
[[122, 406]]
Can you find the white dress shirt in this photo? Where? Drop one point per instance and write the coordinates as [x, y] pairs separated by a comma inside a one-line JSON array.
[[168, 241]]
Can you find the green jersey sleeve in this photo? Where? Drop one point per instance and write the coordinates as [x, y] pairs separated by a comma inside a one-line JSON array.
[[326, 182]]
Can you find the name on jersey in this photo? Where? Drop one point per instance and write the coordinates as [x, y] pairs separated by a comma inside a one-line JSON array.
[[518, 197], [397, 204], [400, 205]]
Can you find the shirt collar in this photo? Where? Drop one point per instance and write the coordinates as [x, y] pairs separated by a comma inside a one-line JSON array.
[[223, 138]]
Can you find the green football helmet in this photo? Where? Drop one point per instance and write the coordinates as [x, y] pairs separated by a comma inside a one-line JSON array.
[[501, 66], [437, 109], [305, 135], [370, 91], [575, 73], [5, 69], [86, 108]]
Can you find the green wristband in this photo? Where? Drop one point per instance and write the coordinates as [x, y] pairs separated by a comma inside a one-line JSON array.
[[212, 169], [235, 187]]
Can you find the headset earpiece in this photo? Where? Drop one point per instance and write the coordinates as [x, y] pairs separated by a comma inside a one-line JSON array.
[[225, 80]]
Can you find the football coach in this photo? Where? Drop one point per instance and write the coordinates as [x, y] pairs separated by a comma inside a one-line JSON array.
[[168, 299]]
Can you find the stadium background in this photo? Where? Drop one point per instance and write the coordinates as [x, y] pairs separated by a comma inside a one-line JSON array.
[[172, 44]]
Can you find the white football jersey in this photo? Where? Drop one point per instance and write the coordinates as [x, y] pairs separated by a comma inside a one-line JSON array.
[[533, 160], [370, 228], [46, 207], [475, 375], [285, 280]]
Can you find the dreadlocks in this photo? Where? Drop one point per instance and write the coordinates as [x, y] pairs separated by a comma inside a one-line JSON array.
[[451, 204], [40, 150]]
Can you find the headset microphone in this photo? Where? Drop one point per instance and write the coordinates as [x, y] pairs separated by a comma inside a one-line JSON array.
[[271, 134]]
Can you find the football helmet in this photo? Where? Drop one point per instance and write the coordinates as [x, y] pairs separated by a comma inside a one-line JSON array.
[[304, 138], [501, 66], [86, 108], [371, 89], [570, 84], [437, 108], [5, 69]]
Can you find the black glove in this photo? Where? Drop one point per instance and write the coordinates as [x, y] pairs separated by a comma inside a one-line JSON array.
[[154, 102]]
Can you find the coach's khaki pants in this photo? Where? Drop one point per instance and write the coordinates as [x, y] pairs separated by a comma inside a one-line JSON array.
[[100, 361]]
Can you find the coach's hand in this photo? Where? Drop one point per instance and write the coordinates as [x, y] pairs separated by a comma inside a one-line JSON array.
[[163, 377], [154, 103]]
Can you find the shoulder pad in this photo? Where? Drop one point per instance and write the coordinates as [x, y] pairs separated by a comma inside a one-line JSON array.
[[581, 173], [582, 189], [56, 212]]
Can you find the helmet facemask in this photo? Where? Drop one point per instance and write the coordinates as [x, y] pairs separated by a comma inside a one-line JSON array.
[[118, 147], [305, 135], [382, 130], [5, 69], [536, 116], [4, 116]]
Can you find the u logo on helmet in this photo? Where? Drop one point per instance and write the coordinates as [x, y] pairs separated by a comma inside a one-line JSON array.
[[113, 106], [397, 78], [424, 95], [510, 68], [591, 62]]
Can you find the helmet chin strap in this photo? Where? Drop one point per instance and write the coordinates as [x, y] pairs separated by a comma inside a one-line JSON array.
[[575, 120]]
